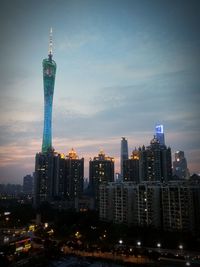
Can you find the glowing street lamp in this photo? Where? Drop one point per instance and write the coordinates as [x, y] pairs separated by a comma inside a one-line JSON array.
[[158, 245], [46, 225], [120, 241], [138, 243], [180, 247]]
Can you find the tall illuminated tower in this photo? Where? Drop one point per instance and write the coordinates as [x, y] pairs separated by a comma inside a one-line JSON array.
[[160, 134], [45, 161], [49, 73]]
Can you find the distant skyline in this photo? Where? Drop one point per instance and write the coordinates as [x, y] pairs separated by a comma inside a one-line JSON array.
[[122, 67]]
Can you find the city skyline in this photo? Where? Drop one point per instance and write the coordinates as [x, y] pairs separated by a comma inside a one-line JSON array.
[[122, 68]]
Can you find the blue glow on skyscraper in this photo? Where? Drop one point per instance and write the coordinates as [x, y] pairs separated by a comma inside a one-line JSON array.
[[49, 73], [160, 134], [159, 128]]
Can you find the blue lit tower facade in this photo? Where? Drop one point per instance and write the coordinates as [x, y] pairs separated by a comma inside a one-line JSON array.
[[45, 160], [160, 134], [49, 73]]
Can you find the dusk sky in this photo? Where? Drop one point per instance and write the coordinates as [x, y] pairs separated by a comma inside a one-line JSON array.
[[122, 67]]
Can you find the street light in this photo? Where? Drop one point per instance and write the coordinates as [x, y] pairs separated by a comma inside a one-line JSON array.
[[138, 243], [120, 241], [158, 245], [180, 247]]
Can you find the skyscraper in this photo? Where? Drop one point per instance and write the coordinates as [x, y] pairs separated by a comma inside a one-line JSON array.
[[101, 169], [160, 134], [74, 174], [49, 72], [44, 177], [180, 165], [155, 162], [124, 153], [131, 167], [59, 173]]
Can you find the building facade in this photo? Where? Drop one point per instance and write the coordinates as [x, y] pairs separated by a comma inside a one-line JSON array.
[[101, 170], [130, 203], [44, 177], [180, 169], [177, 207], [124, 153], [60, 180], [155, 162], [131, 168], [118, 202], [168, 206], [74, 175], [148, 205], [58, 177]]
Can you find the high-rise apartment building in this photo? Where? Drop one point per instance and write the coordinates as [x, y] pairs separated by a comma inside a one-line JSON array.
[[106, 201], [155, 162], [171, 206], [74, 174], [148, 205], [177, 207], [118, 203], [130, 203], [44, 177], [101, 169], [58, 177], [180, 166], [124, 153], [131, 167], [60, 180]]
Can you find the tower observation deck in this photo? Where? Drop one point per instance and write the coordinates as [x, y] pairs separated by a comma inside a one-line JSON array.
[[49, 73]]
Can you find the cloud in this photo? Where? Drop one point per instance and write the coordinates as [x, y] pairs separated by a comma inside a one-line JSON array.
[[74, 41], [100, 120]]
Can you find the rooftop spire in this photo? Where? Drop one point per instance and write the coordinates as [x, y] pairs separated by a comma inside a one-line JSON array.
[[50, 43]]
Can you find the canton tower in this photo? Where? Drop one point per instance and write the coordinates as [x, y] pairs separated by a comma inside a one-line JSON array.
[[49, 73]]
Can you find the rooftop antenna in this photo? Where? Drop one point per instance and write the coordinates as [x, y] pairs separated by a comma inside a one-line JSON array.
[[50, 44]]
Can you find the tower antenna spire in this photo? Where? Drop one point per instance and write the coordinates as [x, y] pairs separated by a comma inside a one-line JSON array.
[[50, 42]]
